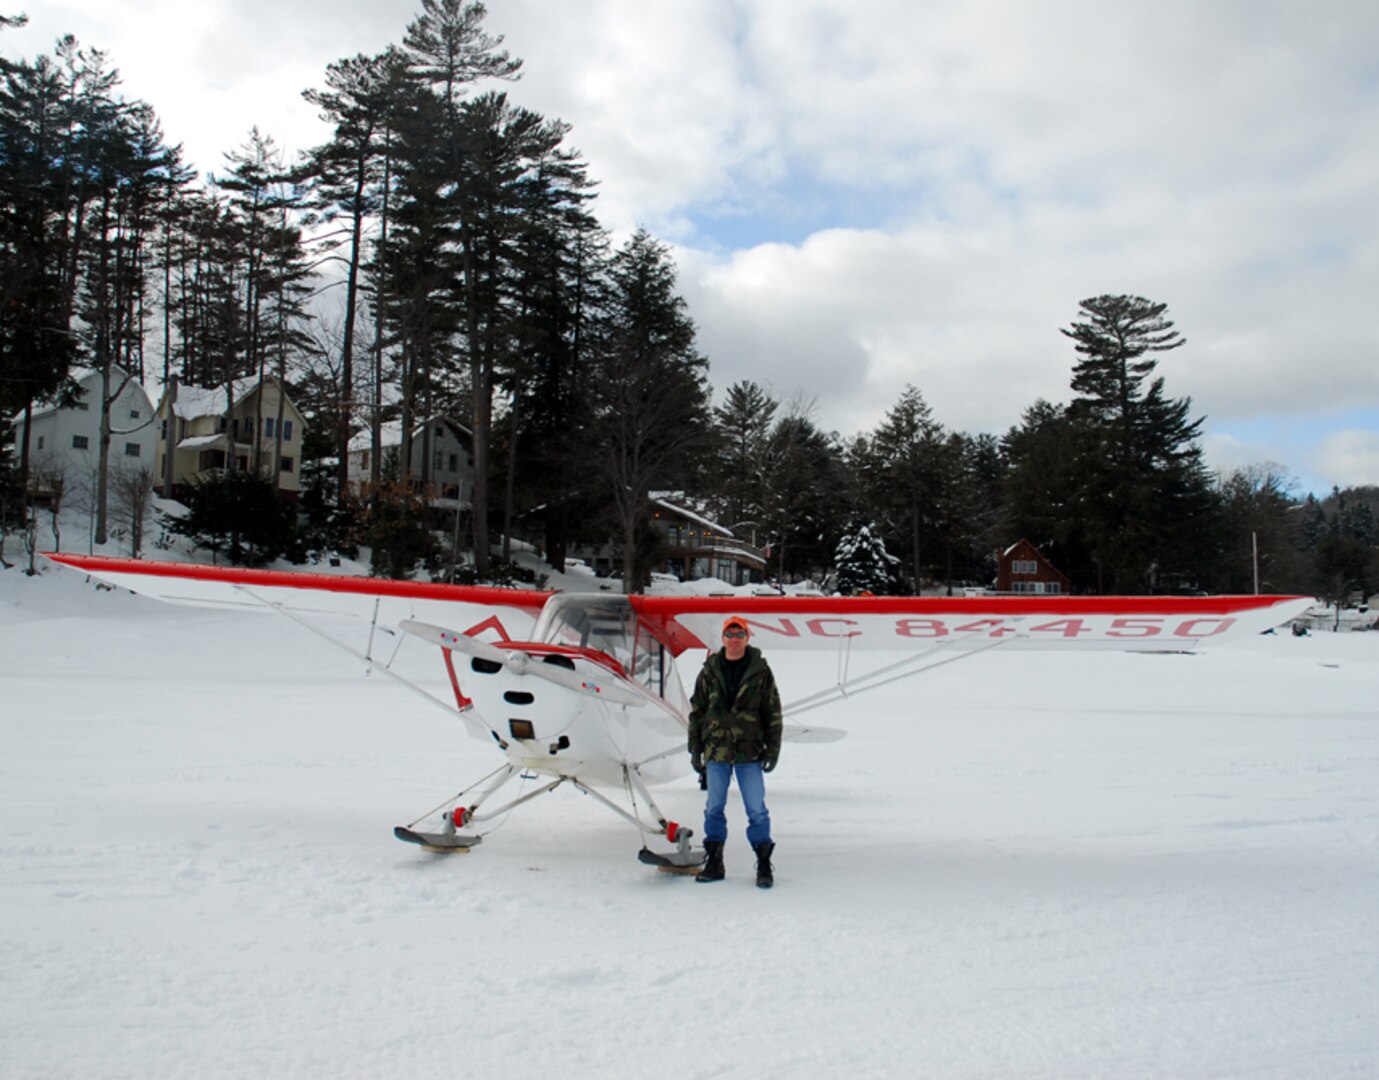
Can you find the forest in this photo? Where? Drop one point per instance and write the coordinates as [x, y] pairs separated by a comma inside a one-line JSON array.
[[441, 255]]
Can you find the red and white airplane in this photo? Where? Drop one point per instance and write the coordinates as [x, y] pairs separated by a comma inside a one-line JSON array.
[[582, 689]]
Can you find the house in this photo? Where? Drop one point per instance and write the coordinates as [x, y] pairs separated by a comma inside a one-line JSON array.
[[442, 455], [1021, 568], [698, 547], [263, 426], [65, 440]]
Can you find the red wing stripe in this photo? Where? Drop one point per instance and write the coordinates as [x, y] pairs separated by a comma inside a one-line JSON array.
[[412, 590]]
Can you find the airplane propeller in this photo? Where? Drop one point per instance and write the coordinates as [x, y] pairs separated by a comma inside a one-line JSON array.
[[519, 663]]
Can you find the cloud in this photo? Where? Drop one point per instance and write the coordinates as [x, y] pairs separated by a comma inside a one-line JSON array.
[[1350, 456], [864, 196]]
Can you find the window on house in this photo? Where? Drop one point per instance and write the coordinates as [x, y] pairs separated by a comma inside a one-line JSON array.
[[79, 442], [287, 464], [454, 462], [132, 449], [82, 406], [134, 414], [437, 461], [270, 425], [40, 442], [287, 431]]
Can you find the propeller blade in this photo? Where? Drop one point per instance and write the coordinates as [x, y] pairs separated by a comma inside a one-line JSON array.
[[450, 639], [608, 689], [519, 663]]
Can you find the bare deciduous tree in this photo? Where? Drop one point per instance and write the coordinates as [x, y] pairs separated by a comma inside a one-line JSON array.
[[132, 488]]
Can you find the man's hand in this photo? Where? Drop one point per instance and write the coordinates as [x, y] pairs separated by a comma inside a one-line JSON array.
[[697, 760], [770, 763]]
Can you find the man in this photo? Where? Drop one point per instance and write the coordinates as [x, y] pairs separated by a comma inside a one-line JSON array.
[[735, 729]]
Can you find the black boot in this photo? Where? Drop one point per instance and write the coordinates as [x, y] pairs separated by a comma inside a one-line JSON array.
[[765, 878], [713, 869]]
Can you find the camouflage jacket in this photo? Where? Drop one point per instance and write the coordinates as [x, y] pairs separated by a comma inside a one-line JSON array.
[[747, 729]]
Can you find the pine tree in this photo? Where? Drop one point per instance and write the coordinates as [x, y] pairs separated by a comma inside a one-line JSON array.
[[648, 391], [347, 177], [448, 50], [1143, 494], [743, 426], [861, 562], [906, 473]]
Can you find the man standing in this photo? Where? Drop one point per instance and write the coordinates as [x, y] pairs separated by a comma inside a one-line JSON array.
[[735, 729]]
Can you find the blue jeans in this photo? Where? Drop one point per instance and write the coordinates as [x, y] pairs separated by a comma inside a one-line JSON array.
[[753, 790]]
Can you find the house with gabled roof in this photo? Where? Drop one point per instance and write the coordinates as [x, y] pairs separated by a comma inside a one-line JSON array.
[[442, 456], [64, 439], [260, 427], [699, 547], [1022, 568]]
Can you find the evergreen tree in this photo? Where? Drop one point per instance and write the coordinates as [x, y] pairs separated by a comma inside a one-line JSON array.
[[448, 50], [347, 178], [1143, 494], [240, 514], [806, 493], [558, 284], [36, 343], [906, 472], [861, 562], [1261, 533], [743, 426], [648, 392]]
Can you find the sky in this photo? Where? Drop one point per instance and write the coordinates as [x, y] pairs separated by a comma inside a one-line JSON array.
[[860, 197]]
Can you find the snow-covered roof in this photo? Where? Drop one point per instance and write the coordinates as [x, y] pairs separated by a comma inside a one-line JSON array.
[[665, 499], [81, 375], [196, 442], [194, 402], [390, 434]]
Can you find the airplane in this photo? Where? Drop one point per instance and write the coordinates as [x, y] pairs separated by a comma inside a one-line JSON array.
[[583, 688]]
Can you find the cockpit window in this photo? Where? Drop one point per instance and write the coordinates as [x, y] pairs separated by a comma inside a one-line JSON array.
[[608, 624]]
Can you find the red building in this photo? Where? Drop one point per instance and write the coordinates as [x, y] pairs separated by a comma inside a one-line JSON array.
[[1021, 568]]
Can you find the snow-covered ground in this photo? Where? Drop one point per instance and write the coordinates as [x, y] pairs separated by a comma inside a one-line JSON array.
[[1021, 865]]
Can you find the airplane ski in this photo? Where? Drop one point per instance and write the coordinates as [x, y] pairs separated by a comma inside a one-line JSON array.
[[444, 843], [674, 862]]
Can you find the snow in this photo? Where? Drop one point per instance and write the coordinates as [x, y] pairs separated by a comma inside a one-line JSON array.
[[1021, 865]]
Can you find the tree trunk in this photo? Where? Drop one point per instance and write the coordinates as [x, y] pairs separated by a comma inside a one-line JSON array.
[[103, 457]]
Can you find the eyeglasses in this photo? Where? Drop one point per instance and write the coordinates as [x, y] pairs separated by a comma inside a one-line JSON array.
[[735, 633]]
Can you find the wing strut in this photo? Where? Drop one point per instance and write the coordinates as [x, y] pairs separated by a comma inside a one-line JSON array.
[[367, 660], [894, 672]]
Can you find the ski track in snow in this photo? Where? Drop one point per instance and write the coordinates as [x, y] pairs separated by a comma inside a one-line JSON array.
[[1023, 865]]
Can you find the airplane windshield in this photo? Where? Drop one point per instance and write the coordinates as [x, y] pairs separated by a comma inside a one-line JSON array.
[[608, 624]]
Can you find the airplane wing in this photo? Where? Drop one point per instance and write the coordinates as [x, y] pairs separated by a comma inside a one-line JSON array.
[[890, 623], [500, 614], [895, 623]]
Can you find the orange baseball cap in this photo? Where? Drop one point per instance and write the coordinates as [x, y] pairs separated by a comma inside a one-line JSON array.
[[739, 622]]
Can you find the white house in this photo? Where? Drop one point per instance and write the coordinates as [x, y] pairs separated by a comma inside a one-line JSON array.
[[442, 456], [66, 440]]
